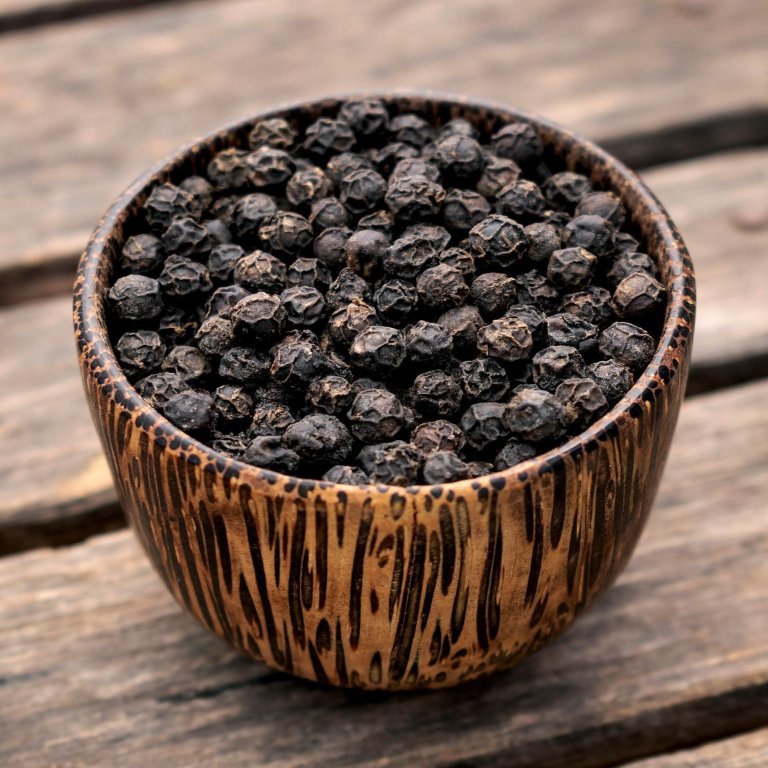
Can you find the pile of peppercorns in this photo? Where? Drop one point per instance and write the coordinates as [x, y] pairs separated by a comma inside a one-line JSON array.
[[374, 300]]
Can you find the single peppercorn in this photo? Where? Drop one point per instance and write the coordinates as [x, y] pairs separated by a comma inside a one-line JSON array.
[[414, 198], [260, 271], [427, 344], [273, 131], [459, 158], [297, 360], [201, 192], [521, 200], [592, 304], [191, 411], [330, 394], [158, 388], [307, 185], [346, 323], [229, 169], [185, 237], [411, 129], [166, 203], [286, 233], [392, 463], [613, 378], [304, 306], [506, 339], [492, 293], [591, 232], [343, 163], [497, 174], [346, 475], [375, 416], [571, 268], [270, 418], [435, 393], [364, 251], [583, 400], [249, 213], [221, 262], [416, 166], [568, 330], [329, 245], [458, 126], [368, 118], [483, 380], [345, 289], [140, 352], [438, 435], [463, 324], [628, 264], [362, 191], [136, 298], [260, 318], [142, 255], [188, 362], [214, 336], [319, 440], [415, 250], [245, 366], [327, 212], [519, 142], [535, 289], [378, 349], [395, 300], [444, 467], [309, 272], [637, 296], [441, 287], [625, 243], [552, 365], [223, 299], [535, 416], [627, 344], [463, 208], [233, 406], [271, 452], [326, 137], [379, 221], [532, 317], [484, 426], [606, 205], [514, 452], [543, 241], [460, 258], [499, 240], [565, 190]]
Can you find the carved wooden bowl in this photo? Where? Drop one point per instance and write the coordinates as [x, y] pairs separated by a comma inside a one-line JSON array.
[[385, 587]]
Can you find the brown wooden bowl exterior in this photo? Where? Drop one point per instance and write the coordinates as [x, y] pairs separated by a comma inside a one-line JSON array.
[[383, 587]]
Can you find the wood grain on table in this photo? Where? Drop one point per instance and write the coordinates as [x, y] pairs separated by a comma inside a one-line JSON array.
[[675, 653]]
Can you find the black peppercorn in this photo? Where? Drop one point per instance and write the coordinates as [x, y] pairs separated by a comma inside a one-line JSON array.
[[214, 336], [191, 411], [417, 249], [435, 393], [229, 169], [498, 173], [416, 166], [532, 317], [183, 279], [260, 271], [521, 200], [310, 272], [378, 349], [379, 221], [185, 237], [249, 213], [462, 209], [637, 296], [364, 251], [484, 425], [438, 435], [514, 452], [188, 362], [535, 416], [201, 192], [411, 129], [393, 463], [591, 232], [308, 185], [286, 233], [166, 203], [629, 263], [345, 162], [327, 212], [583, 400], [506, 339], [458, 126], [552, 365], [329, 245], [427, 344], [627, 344], [346, 475], [570, 331], [345, 289], [304, 306], [270, 418], [613, 378], [441, 287], [297, 360], [463, 324], [221, 262], [499, 240], [270, 452], [519, 142], [492, 293], [233, 445], [158, 388], [330, 394], [136, 298], [375, 416], [142, 255], [260, 318], [346, 323], [368, 118], [395, 300], [245, 366], [459, 158], [319, 440], [571, 268], [592, 304], [233, 406], [274, 131], [625, 243], [223, 299], [444, 467], [326, 137], [483, 380], [533, 288], [603, 204], [362, 191], [565, 190], [414, 198], [140, 352], [460, 258], [543, 241]]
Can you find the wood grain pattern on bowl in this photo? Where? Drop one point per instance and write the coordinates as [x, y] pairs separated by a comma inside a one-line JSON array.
[[383, 587]]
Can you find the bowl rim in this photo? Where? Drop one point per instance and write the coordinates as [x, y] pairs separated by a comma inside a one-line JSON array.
[[92, 337]]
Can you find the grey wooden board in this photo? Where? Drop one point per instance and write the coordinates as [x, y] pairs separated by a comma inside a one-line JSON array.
[[101, 99], [99, 667]]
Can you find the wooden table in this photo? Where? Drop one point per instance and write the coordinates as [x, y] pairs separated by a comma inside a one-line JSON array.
[[98, 666]]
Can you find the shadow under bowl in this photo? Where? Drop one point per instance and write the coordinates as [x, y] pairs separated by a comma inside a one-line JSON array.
[[386, 587]]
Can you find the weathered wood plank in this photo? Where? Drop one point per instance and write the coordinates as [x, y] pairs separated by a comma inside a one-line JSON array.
[[747, 751], [102, 99], [99, 666], [718, 202]]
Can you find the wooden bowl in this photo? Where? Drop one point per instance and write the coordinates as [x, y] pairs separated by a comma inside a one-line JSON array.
[[386, 587]]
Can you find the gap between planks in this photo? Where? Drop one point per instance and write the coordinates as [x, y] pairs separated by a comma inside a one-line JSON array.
[[100, 665]]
